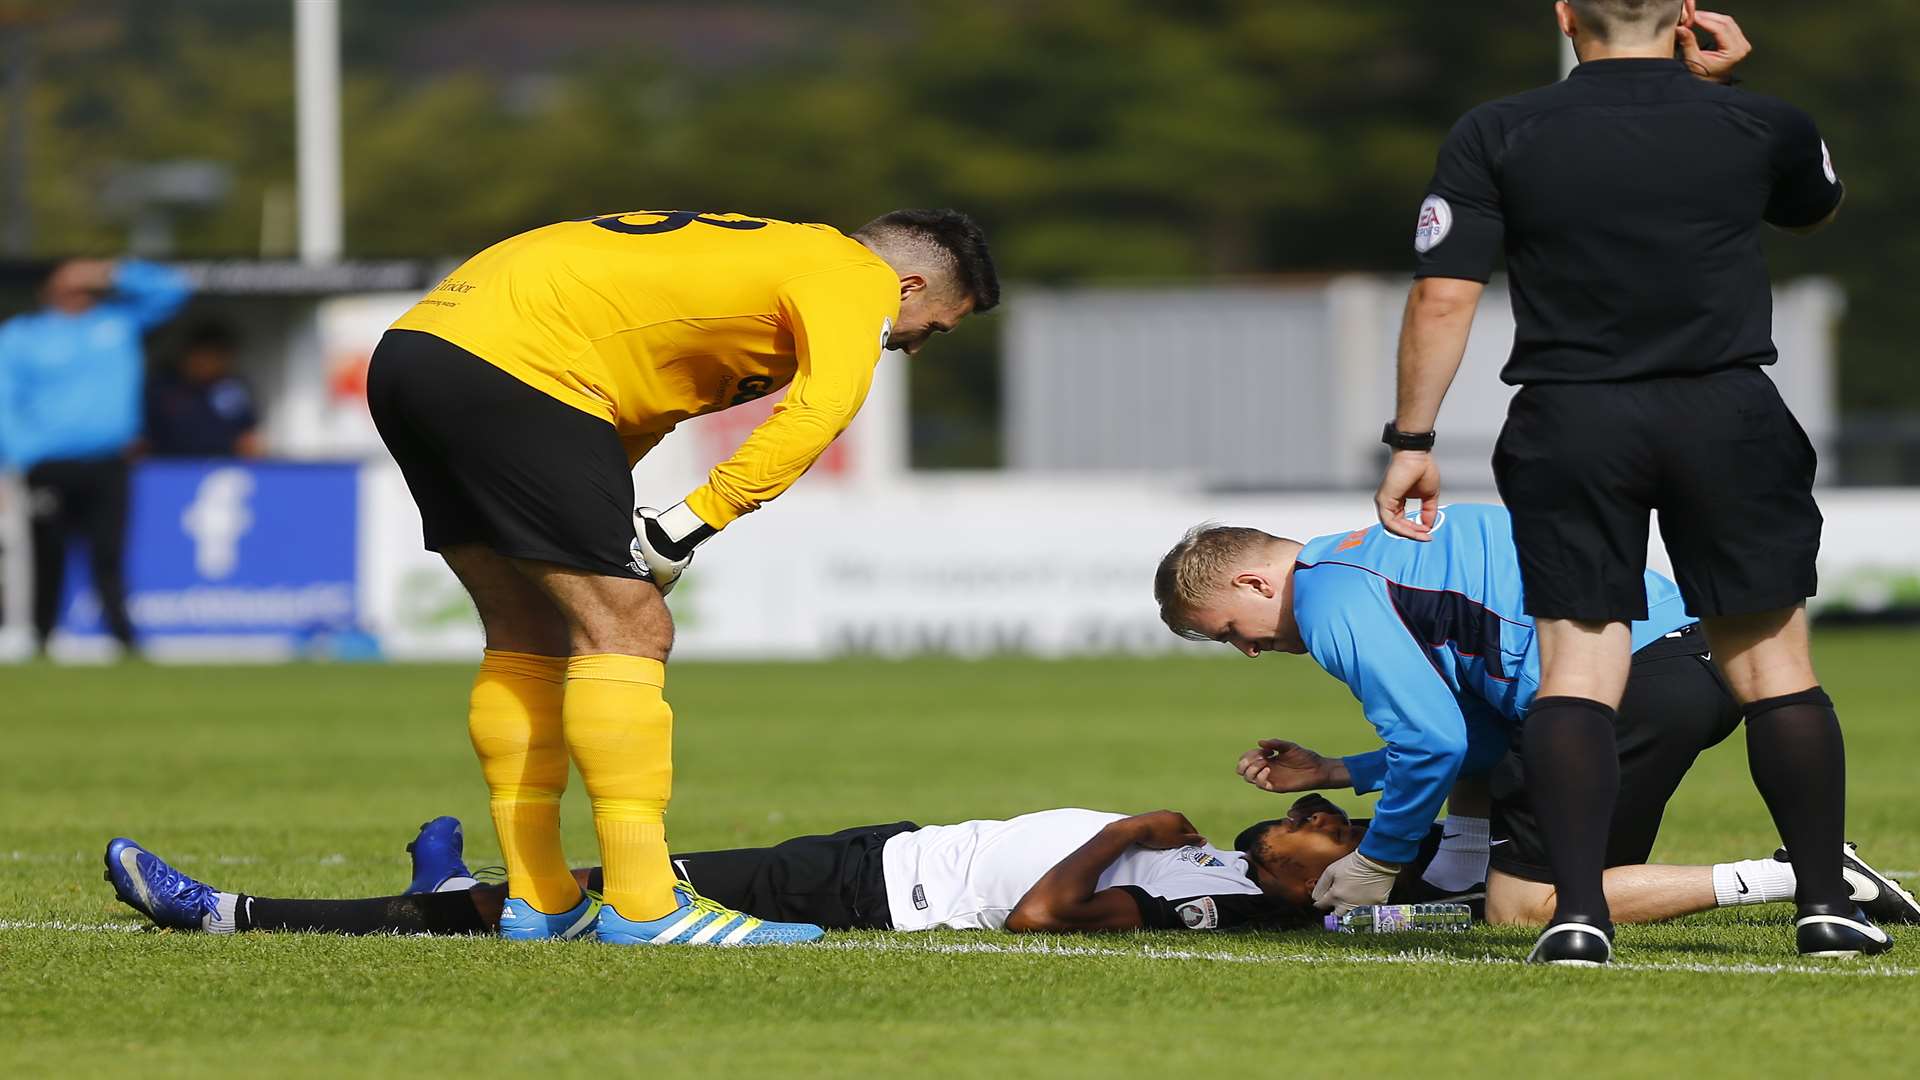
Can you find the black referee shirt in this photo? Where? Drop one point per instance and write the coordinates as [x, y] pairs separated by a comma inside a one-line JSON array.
[[1628, 200]]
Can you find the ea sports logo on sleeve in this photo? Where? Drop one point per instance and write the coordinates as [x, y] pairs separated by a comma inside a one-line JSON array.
[[1436, 221]]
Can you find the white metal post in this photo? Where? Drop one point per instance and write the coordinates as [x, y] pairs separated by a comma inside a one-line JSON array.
[[316, 75], [1568, 58]]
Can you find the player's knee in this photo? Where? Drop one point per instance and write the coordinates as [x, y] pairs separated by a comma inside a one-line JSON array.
[[1764, 655]]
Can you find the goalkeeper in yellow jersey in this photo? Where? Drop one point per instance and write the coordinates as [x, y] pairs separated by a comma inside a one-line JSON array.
[[516, 397]]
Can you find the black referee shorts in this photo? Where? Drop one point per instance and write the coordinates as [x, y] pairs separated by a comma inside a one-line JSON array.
[[1675, 707], [1581, 465], [493, 461], [836, 881]]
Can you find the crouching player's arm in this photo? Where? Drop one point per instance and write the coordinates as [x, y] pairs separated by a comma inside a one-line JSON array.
[[1352, 631], [839, 320], [1068, 897]]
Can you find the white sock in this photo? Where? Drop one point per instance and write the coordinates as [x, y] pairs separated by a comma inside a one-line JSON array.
[[456, 884], [1461, 862], [220, 920], [1752, 881]]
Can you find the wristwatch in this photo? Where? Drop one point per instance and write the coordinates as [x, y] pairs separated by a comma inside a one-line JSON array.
[[1402, 440]]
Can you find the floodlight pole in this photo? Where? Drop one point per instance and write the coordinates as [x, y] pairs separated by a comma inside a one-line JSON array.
[[16, 236], [316, 82]]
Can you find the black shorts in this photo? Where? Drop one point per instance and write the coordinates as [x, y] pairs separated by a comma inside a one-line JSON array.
[[1581, 466], [1676, 706], [836, 881], [493, 461]]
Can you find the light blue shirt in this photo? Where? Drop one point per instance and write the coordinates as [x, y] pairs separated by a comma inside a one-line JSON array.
[[1434, 641], [70, 385]]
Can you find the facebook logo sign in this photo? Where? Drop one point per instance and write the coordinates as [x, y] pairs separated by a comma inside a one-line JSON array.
[[226, 548]]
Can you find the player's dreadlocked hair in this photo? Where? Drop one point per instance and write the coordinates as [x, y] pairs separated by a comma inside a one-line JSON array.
[[1197, 567], [955, 241], [1610, 20]]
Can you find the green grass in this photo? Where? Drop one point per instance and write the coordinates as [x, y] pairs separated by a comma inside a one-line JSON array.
[[308, 781]]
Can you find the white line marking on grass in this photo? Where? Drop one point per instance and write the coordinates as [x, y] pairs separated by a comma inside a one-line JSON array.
[[335, 859], [1422, 957], [1043, 947], [71, 927]]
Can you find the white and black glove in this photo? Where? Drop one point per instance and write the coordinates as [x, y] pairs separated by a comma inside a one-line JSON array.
[[1353, 881], [664, 541]]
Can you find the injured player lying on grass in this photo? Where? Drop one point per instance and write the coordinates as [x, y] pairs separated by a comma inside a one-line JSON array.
[[1051, 871]]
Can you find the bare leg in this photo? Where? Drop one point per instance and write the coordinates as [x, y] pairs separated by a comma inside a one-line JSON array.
[[1636, 894], [516, 615], [1764, 655], [1585, 659], [624, 616]]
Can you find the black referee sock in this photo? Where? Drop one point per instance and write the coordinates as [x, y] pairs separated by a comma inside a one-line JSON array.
[[415, 913], [1799, 763], [1573, 778]]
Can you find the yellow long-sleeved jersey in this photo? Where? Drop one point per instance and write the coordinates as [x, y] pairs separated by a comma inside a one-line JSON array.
[[647, 318]]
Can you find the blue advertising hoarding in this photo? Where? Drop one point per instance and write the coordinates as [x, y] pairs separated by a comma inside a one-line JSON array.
[[233, 549]]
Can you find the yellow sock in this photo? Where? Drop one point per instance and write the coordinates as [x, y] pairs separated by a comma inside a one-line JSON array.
[[620, 730], [514, 720]]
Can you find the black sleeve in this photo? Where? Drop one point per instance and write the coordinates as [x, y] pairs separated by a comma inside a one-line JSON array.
[[1805, 187], [1460, 232], [1225, 912]]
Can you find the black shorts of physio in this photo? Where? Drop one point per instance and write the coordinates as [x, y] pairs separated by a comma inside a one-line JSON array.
[[1676, 706], [836, 881], [1581, 466], [493, 461]]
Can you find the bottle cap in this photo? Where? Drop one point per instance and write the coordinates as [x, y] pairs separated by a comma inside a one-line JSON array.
[[1332, 922]]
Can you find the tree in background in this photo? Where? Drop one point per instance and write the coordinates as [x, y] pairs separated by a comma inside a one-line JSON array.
[[1097, 140]]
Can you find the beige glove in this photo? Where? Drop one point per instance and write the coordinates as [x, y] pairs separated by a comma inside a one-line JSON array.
[[1353, 881]]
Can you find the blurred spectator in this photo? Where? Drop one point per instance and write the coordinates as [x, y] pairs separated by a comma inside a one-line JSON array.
[[199, 407], [70, 392]]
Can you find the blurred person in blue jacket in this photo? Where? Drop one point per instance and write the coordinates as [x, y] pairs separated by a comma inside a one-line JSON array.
[[71, 380], [199, 406]]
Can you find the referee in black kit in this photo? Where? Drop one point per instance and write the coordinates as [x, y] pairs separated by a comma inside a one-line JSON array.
[[1628, 201]]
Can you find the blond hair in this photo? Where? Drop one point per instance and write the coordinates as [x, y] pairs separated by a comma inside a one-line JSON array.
[[1199, 566]]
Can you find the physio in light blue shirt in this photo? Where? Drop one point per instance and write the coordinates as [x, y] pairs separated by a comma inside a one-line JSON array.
[[72, 373], [1432, 638]]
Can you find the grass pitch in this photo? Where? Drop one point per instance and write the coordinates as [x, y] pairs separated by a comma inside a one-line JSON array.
[[308, 781]]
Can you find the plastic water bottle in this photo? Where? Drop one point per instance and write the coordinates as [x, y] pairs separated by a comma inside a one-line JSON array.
[[1393, 918]]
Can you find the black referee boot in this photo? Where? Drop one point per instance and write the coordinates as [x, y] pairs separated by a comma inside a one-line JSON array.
[[1573, 944], [1819, 933]]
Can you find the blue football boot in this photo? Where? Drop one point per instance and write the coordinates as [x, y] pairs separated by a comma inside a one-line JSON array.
[[149, 886], [437, 855], [697, 920], [521, 921]]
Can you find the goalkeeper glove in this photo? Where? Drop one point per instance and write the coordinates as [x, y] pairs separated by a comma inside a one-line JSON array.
[[664, 541], [1354, 881]]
